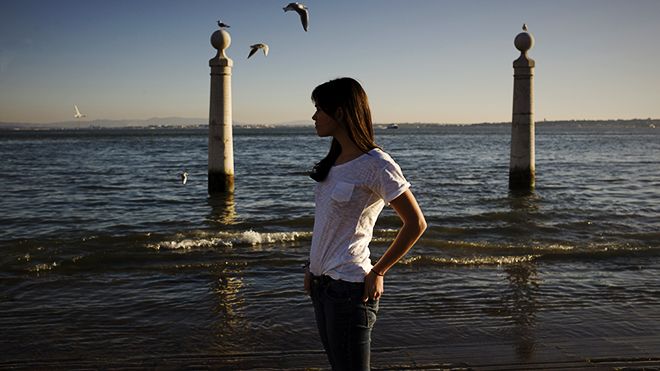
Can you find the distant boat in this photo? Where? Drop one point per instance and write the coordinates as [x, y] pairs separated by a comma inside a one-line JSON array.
[[392, 126], [77, 115]]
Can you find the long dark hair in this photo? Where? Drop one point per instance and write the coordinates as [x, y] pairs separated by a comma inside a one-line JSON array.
[[344, 100]]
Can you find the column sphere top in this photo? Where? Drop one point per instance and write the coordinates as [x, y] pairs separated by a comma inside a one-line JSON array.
[[524, 41], [221, 40]]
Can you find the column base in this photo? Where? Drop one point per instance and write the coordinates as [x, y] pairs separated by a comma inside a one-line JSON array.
[[220, 183], [522, 179]]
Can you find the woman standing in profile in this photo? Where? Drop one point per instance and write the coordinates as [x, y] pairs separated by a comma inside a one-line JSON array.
[[355, 181]]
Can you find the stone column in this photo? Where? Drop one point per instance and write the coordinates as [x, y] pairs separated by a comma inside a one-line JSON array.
[[221, 147], [521, 166]]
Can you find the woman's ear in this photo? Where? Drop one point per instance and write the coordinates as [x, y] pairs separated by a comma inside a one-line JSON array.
[[339, 114]]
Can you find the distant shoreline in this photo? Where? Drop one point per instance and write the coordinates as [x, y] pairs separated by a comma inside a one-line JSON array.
[[168, 125]]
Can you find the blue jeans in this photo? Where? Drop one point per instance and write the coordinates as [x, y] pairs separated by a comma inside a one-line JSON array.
[[344, 322]]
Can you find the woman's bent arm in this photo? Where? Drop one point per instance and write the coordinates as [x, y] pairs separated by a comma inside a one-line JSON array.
[[413, 227]]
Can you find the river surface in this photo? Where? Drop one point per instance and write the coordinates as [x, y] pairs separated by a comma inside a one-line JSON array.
[[104, 254]]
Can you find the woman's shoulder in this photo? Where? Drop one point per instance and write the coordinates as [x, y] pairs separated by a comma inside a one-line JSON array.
[[380, 158], [367, 166]]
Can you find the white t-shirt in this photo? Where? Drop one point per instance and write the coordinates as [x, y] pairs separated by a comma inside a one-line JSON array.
[[348, 203]]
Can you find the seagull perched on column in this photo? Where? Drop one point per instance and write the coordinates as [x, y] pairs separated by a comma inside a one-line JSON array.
[[525, 27], [255, 47], [222, 24], [302, 12]]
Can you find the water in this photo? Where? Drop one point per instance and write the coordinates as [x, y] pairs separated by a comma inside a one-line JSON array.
[[106, 256]]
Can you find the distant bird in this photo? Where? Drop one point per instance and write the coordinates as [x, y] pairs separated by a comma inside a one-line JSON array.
[[302, 11], [222, 24], [255, 47], [77, 115], [184, 177], [525, 27]]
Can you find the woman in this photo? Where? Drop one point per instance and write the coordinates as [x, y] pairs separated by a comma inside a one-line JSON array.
[[355, 181]]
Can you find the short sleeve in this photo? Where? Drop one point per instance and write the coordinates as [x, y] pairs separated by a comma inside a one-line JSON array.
[[389, 182]]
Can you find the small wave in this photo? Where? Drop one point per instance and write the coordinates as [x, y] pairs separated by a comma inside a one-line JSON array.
[[189, 244], [550, 253], [229, 239], [468, 261]]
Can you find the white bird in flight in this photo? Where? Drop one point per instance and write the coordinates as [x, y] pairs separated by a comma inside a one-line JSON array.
[[255, 47], [184, 177], [302, 11], [77, 115]]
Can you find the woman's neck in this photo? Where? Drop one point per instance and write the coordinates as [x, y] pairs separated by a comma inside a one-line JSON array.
[[349, 150]]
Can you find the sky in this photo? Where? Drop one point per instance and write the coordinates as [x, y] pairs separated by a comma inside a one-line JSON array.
[[431, 61]]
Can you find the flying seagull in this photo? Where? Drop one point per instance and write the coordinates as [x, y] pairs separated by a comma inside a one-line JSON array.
[[255, 47], [525, 27], [77, 115], [184, 177], [223, 24], [302, 12]]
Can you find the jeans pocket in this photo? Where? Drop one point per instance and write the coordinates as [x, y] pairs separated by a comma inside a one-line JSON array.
[[371, 312], [365, 314]]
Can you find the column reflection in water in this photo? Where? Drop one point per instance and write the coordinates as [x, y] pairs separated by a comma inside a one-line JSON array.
[[519, 300], [520, 304], [227, 285], [223, 210], [231, 324]]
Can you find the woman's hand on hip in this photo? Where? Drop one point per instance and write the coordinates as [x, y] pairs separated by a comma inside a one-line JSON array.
[[373, 287]]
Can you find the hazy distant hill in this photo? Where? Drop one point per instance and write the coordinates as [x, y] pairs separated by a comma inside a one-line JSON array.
[[171, 122], [174, 122], [554, 124], [156, 121]]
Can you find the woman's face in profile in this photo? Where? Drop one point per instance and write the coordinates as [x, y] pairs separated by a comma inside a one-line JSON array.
[[325, 125]]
